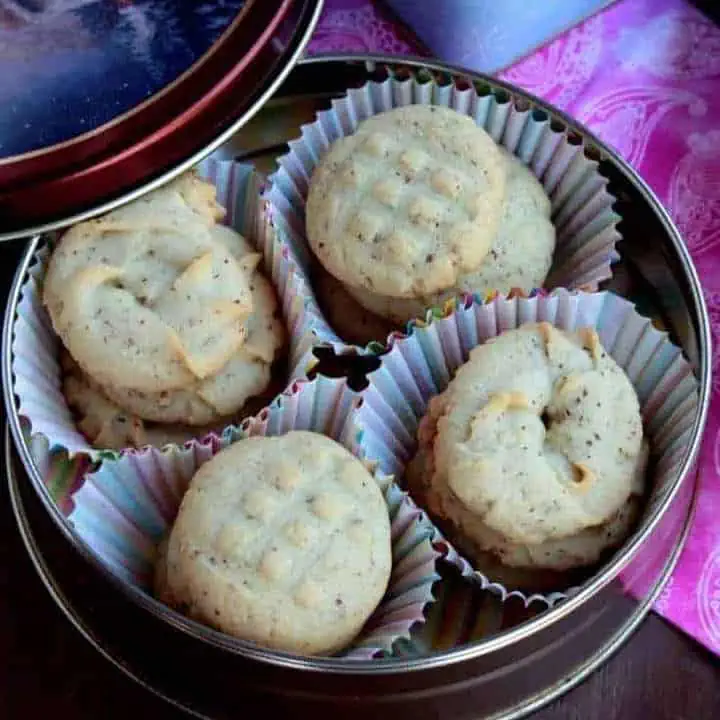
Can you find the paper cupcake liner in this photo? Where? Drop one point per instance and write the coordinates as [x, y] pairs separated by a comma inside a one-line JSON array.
[[582, 206], [462, 613], [421, 364], [37, 376], [124, 508]]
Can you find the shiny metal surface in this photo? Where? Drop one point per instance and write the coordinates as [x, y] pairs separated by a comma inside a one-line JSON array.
[[519, 669]]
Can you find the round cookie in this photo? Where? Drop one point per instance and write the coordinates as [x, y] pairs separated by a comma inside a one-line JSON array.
[[147, 297], [109, 427], [519, 258], [534, 453], [246, 375], [408, 203], [214, 325], [283, 541]]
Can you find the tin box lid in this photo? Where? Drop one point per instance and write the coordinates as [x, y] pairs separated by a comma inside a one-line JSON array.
[[106, 98]]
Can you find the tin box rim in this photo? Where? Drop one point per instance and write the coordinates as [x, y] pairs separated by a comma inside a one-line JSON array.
[[71, 612], [54, 588], [506, 638], [308, 15]]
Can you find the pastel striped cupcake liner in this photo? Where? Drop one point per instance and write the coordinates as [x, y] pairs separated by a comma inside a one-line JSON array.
[[124, 508], [36, 371], [582, 205], [421, 363]]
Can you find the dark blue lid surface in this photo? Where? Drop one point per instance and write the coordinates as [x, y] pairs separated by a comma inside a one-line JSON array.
[[70, 66]]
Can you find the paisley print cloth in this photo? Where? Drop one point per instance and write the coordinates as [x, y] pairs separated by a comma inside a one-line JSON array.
[[645, 76]]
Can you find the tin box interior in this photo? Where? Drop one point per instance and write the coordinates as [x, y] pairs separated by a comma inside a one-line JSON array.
[[507, 673]]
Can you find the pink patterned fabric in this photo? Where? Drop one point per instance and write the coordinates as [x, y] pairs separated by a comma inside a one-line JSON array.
[[360, 26], [645, 76]]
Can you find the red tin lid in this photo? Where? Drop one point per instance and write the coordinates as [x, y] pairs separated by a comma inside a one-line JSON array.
[[242, 55]]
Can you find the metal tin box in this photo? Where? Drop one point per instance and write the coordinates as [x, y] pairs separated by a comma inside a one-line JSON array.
[[511, 672]]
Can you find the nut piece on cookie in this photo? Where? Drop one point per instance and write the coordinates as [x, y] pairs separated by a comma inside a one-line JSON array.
[[283, 541], [409, 203], [534, 455]]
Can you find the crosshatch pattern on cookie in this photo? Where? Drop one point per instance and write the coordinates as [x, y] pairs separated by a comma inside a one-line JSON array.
[[123, 509], [301, 534], [408, 202], [567, 164]]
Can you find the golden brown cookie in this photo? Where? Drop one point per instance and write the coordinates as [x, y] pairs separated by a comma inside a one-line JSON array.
[[535, 453], [519, 258], [165, 311], [407, 204], [283, 541], [145, 297]]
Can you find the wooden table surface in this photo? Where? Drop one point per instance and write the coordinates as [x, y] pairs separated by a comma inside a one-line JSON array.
[[48, 669]]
